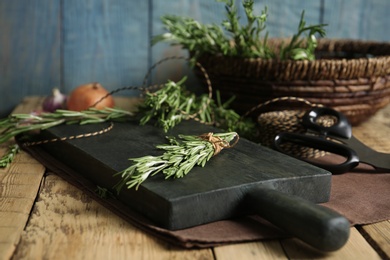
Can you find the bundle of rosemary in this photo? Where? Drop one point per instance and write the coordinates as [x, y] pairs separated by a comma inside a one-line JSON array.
[[180, 156], [236, 39]]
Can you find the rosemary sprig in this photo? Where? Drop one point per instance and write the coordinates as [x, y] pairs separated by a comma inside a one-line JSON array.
[[169, 105], [104, 193], [22, 123], [246, 37], [173, 103], [300, 49], [9, 156], [178, 160]]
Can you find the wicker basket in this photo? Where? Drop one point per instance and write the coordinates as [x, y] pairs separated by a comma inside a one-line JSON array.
[[353, 77]]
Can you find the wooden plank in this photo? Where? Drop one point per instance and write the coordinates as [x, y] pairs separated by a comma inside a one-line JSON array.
[[12, 219], [20, 191], [372, 133], [13, 234], [17, 195], [6, 250], [378, 235], [345, 19], [283, 16], [205, 11], [16, 204], [375, 130], [356, 248], [255, 250], [29, 50], [108, 41], [68, 224], [29, 104], [19, 185], [358, 19], [105, 41]]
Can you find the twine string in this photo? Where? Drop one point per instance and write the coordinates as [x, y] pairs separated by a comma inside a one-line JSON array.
[[72, 137], [218, 143]]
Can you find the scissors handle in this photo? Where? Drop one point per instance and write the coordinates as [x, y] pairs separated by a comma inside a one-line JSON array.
[[341, 128], [322, 144]]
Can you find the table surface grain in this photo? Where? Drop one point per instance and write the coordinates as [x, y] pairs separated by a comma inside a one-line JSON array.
[[44, 217]]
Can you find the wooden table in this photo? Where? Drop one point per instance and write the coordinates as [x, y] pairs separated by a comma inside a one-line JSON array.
[[44, 217]]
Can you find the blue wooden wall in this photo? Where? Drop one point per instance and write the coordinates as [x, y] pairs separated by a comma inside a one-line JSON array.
[[64, 43]]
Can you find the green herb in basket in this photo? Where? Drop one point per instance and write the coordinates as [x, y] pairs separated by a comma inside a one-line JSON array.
[[303, 49], [236, 39]]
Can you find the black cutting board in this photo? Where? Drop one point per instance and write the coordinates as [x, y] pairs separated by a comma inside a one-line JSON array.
[[229, 185]]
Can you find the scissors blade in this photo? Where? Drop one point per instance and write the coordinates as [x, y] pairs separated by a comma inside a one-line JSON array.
[[368, 155]]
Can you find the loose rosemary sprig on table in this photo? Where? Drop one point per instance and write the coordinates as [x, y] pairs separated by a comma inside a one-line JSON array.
[[179, 158], [22, 123]]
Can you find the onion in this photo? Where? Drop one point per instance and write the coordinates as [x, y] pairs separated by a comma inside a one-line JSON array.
[[55, 101], [87, 95]]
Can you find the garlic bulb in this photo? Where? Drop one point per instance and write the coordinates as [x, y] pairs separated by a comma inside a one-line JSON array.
[[55, 101]]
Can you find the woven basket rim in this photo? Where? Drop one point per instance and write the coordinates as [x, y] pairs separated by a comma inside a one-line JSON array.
[[383, 58], [326, 45], [323, 68]]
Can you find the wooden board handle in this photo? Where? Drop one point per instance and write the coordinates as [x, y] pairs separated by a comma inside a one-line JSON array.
[[318, 226]]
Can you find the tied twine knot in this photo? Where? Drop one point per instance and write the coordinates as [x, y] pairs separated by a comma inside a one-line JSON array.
[[217, 142]]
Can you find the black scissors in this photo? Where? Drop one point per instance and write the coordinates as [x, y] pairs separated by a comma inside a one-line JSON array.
[[336, 139]]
